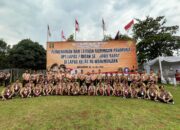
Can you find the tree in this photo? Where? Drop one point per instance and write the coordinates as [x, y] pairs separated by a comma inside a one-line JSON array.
[[28, 54], [107, 38], [4, 48], [122, 37], [71, 38], [154, 38]]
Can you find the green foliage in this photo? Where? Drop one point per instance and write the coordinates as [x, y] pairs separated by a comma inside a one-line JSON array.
[[154, 38], [71, 38], [4, 48], [107, 38], [27, 54], [123, 37]]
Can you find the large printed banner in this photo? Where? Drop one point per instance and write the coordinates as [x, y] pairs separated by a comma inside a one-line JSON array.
[[93, 55]]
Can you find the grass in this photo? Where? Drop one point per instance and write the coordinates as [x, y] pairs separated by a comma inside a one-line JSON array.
[[89, 113]]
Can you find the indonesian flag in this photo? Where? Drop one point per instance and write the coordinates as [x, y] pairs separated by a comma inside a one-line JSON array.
[[129, 25], [62, 35], [77, 26]]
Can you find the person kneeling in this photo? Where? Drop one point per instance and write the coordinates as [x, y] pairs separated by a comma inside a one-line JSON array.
[[91, 90], [126, 91], [25, 92], [7, 93], [165, 96], [100, 90], [75, 89], [37, 90]]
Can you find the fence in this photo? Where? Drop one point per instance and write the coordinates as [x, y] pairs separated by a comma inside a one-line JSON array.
[[17, 73]]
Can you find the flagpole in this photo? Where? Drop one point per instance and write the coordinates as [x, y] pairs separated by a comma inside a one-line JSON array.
[[75, 35], [61, 36], [47, 35], [103, 34]]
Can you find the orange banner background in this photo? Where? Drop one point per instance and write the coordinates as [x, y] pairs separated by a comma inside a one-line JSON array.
[[74, 54]]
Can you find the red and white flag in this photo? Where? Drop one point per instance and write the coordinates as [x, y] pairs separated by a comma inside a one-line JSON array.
[[129, 25], [77, 26], [62, 35]]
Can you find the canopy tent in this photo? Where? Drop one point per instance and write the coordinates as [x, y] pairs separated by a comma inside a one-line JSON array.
[[167, 67]]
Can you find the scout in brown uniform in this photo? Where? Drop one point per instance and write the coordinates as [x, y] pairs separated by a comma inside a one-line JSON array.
[[75, 89], [153, 77], [134, 91], [59, 89], [130, 78], [68, 76], [165, 96], [137, 76], [88, 80], [126, 91], [41, 78], [7, 93], [116, 79], [16, 87], [94, 78], [30, 86], [142, 90], [37, 90], [46, 89], [34, 77], [152, 92], [83, 89], [100, 90], [26, 77], [106, 78], [144, 77], [91, 90], [59, 76], [99, 76], [81, 78], [111, 79], [25, 92], [108, 89], [117, 89], [67, 88]]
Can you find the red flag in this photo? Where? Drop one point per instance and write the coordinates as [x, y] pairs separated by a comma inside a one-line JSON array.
[[62, 35], [76, 25], [128, 26]]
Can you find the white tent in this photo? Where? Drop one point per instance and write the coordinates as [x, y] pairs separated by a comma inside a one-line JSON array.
[[167, 67]]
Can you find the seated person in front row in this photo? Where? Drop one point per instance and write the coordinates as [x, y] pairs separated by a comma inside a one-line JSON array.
[[165, 96], [25, 92], [46, 88], [16, 87], [75, 89], [7, 93], [92, 90], [126, 91], [83, 89], [108, 89], [37, 90], [152, 92], [100, 90]]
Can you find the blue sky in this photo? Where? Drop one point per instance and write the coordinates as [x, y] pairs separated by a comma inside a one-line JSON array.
[[21, 19]]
